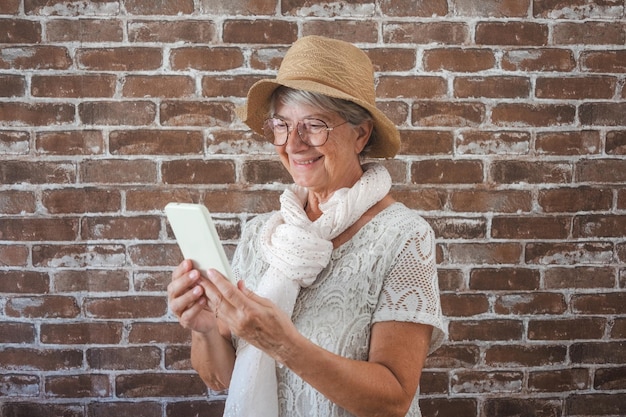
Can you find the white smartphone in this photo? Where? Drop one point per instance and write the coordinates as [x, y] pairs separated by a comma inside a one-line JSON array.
[[197, 238]]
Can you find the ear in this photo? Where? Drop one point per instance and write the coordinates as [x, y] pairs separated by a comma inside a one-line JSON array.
[[364, 131]]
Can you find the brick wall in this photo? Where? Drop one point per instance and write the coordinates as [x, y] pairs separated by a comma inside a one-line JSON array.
[[513, 118]]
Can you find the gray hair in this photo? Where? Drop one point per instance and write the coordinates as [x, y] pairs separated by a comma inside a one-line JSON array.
[[352, 112]]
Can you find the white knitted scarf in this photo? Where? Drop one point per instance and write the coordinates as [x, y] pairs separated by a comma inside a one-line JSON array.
[[297, 250]]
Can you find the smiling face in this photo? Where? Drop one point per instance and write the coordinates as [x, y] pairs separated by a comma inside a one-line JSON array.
[[327, 168]]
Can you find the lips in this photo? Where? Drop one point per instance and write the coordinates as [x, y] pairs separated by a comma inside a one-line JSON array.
[[308, 161]]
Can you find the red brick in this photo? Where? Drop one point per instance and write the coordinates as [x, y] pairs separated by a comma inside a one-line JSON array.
[[84, 30], [145, 199], [228, 86], [589, 33], [505, 201], [16, 333], [484, 253], [575, 88], [14, 142], [242, 201], [165, 255], [111, 228], [538, 115], [10, 7], [545, 59], [70, 142], [530, 228], [195, 171], [81, 200], [123, 358], [260, 31], [454, 357], [122, 408], [522, 406], [410, 87], [447, 172], [158, 86], [504, 279], [392, 59], [50, 306], [575, 9], [598, 352], [536, 303], [81, 333], [23, 282], [600, 303], [229, 141], [155, 142], [566, 329], [618, 330], [569, 253], [12, 86], [128, 307], [603, 114], [605, 61], [118, 171], [161, 333], [479, 142], [449, 406], [458, 60], [575, 199], [24, 359], [78, 386], [434, 383], [135, 113], [492, 87], [163, 7], [421, 199], [79, 256], [265, 172], [246, 7], [485, 329], [17, 202], [559, 380], [193, 31], [616, 143], [206, 58], [196, 113], [426, 142], [485, 381], [151, 281], [599, 225], [464, 305], [19, 172], [40, 57], [526, 356], [601, 170], [62, 7], [91, 280], [579, 277], [396, 111], [456, 114], [159, 385], [14, 255], [16, 385], [43, 410], [412, 8], [20, 31], [119, 59], [38, 229], [447, 33], [35, 114], [73, 86], [535, 172], [196, 408], [583, 142], [354, 31], [269, 58], [511, 33]]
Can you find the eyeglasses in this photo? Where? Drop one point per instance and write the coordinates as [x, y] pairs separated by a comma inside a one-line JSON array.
[[313, 132]]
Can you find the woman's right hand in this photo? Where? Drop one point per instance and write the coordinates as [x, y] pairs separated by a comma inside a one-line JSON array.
[[188, 301]]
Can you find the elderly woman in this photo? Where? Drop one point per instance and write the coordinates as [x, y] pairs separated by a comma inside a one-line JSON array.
[[336, 304]]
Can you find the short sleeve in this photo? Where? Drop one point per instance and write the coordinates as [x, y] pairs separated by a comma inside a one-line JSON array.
[[410, 292]]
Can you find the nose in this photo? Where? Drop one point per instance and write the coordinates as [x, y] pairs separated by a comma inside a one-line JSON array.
[[297, 142]]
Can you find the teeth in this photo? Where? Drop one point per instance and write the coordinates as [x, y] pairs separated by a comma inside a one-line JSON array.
[[310, 161]]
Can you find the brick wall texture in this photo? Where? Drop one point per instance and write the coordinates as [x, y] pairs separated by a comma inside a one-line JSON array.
[[513, 120]]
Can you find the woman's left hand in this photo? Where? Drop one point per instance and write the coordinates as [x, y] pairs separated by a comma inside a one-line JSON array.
[[249, 316]]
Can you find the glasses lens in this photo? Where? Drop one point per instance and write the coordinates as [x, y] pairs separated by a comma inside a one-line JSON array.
[[313, 131], [276, 131]]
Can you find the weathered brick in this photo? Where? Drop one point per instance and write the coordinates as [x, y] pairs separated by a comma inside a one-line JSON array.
[[10, 7], [123, 408], [111, 228], [456, 114], [601, 170], [35, 114], [196, 171], [605, 61], [14, 255], [260, 31], [454, 356], [485, 329], [598, 352], [140, 357], [479, 142], [528, 356], [159, 385], [146, 199], [17, 202], [193, 31], [163, 7], [65, 8], [42, 57], [413, 8], [458, 60], [459, 228], [227, 86], [601, 303], [348, 30], [206, 58], [392, 59], [505, 201], [14, 143], [413, 87], [16, 385], [569, 253], [24, 359], [559, 380], [196, 113], [38, 229], [43, 410], [50, 306], [24, 282], [610, 378], [504, 227], [575, 199], [426, 142], [447, 172], [16, 333], [155, 255], [84, 30], [119, 59], [484, 253], [566, 329], [603, 114], [598, 225], [20, 31], [116, 113], [151, 281], [78, 386], [537, 303], [464, 305], [583, 142], [449, 406], [523, 406], [118, 171], [70, 142], [512, 33], [575, 88], [492, 87], [434, 383], [538, 115], [531, 172], [167, 333], [424, 199], [90, 280], [544, 59], [81, 200], [484, 381], [580, 277], [195, 408], [79, 256], [155, 142], [246, 7], [504, 279], [616, 143], [12, 86], [71, 86], [589, 33], [491, 8], [125, 307], [576, 9], [447, 33], [81, 333]]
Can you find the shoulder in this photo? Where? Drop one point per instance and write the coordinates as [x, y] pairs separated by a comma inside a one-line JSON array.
[[401, 218]]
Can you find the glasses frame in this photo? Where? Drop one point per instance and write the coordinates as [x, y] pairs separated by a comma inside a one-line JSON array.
[[328, 129]]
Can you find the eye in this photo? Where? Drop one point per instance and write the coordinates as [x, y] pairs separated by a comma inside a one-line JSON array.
[[314, 125], [279, 125]]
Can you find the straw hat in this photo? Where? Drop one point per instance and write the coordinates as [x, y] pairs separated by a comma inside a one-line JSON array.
[[330, 67]]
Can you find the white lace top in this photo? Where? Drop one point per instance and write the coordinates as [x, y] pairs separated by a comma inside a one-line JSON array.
[[386, 272]]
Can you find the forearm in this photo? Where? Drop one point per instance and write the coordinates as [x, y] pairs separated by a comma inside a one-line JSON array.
[[213, 357]]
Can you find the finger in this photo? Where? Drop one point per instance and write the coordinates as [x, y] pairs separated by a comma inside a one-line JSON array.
[[180, 302], [182, 268]]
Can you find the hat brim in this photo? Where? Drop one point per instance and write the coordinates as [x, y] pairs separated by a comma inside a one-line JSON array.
[[255, 111]]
